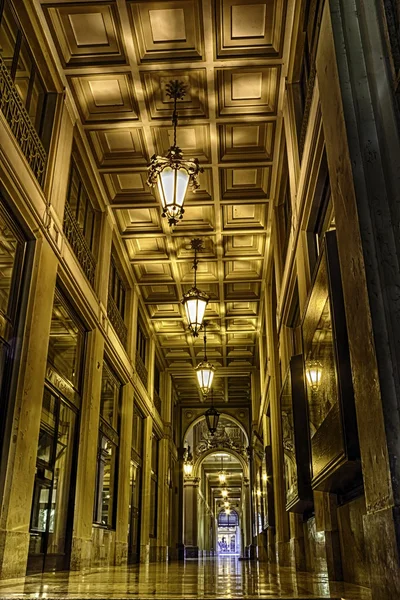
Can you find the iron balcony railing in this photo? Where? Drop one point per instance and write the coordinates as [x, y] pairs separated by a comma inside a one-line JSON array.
[[157, 401], [141, 369], [21, 125], [79, 245], [116, 320]]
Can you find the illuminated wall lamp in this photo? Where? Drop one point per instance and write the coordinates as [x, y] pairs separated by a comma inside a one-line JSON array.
[[313, 374]]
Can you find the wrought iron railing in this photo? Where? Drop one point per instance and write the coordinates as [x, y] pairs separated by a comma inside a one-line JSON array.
[[116, 320], [141, 369], [157, 401], [21, 125], [79, 244]]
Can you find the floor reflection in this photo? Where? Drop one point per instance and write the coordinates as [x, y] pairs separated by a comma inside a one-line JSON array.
[[224, 577]]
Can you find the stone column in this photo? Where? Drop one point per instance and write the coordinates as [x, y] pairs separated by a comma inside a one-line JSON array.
[[124, 466], [16, 500], [163, 500], [190, 506], [146, 490], [81, 550], [281, 517], [363, 150]]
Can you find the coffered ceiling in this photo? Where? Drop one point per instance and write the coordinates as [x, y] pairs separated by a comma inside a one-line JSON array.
[[116, 58]]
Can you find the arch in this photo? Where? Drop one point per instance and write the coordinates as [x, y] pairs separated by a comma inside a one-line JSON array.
[[239, 457], [224, 415]]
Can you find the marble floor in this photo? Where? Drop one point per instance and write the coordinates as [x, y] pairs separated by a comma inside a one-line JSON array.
[[217, 578]]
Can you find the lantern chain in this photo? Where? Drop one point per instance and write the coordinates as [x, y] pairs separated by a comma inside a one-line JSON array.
[[176, 90]]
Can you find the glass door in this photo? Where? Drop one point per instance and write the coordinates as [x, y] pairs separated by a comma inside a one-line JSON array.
[[52, 505], [134, 514]]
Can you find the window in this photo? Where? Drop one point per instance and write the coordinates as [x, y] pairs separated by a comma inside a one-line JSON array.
[[20, 64], [321, 217], [80, 223], [80, 206], [107, 450], [116, 288], [66, 342], [141, 343], [284, 211], [137, 432], [116, 302], [13, 274], [154, 487]]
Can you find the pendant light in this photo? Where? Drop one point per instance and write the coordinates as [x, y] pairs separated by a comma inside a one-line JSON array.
[[222, 474], [205, 370], [195, 301], [313, 374], [212, 417], [224, 493], [226, 504], [172, 173]]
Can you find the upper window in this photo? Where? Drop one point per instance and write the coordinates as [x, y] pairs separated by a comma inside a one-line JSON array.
[[116, 301], [11, 255], [117, 288], [20, 63], [80, 223], [141, 343], [81, 206]]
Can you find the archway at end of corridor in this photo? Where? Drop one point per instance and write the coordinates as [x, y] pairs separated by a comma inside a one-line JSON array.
[[216, 495]]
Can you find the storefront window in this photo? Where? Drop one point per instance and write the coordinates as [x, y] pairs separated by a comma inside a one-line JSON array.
[[154, 487], [66, 343], [107, 451]]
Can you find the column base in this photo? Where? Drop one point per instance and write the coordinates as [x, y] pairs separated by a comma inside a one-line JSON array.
[[14, 546], [191, 552], [382, 533], [81, 553], [283, 554], [298, 554]]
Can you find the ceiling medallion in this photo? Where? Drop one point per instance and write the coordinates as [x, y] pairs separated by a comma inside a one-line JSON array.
[[195, 301], [205, 371], [172, 173]]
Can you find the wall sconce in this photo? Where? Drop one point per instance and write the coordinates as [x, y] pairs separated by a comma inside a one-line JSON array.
[[265, 477], [195, 301], [313, 374], [172, 173], [188, 464]]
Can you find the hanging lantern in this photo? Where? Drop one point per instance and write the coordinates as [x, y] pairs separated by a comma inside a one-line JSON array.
[[195, 301], [224, 493], [172, 173], [313, 374], [212, 418], [226, 504], [228, 511], [222, 474], [205, 370]]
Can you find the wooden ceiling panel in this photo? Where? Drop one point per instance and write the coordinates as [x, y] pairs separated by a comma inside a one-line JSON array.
[[167, 30], [122, 147], [245, 183], [249, 28], [238, 246], [86, 34], [194, 141], [129, 188], [247, 91], [159, 106], [246, 142], [104, 97]]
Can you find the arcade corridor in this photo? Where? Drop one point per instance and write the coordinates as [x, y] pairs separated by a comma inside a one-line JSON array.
[[199, 299]]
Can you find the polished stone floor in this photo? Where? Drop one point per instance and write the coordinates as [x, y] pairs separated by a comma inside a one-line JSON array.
[[217, 578]]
